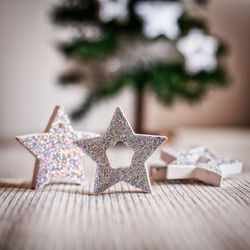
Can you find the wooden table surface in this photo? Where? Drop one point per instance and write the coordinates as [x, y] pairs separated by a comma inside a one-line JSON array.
[[177, 215]]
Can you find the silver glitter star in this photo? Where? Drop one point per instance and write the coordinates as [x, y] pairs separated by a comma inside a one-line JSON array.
[[57, 158], [143, 146], [198, 163]]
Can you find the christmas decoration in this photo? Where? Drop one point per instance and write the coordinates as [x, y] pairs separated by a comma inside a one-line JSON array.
[[160, 18], [198, 163], [57, 158], [147, 45], [199, 51], [119, 130], [110, 10]]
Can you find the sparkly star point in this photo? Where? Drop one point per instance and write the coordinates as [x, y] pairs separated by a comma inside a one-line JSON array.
[[143, 146], [57, 158]]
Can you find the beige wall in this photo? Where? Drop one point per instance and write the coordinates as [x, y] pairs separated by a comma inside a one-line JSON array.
[[29, 65]]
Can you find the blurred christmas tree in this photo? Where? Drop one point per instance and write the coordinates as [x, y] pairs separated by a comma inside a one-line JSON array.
[[155, 45]]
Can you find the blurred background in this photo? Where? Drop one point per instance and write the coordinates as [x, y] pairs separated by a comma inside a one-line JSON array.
[[31, 64]]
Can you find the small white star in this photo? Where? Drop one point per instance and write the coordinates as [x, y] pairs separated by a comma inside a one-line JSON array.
[[199, 51], [113, 9], [160, 18], [198, 163], [143, 146]]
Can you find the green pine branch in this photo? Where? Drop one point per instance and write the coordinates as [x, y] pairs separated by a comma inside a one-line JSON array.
[[86, 50], [69, 78], [74, 12], [168, 81]]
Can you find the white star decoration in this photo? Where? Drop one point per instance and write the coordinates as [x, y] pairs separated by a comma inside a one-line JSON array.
[[113, 9], [160, 18], [198, 163], [143, 146], [199, 51], [57, 158]]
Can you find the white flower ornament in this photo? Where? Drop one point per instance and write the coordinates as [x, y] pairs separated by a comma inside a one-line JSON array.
[[160, 18], [199, 51]]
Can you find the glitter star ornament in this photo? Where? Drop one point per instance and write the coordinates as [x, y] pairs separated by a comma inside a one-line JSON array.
[[160, 18], [58, 159], [143, 146], [198, 163], [199, 51]]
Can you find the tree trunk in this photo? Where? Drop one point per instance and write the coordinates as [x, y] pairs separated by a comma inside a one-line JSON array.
[[139, 112]]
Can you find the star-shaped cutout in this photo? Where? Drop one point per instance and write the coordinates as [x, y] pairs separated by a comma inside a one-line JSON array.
[[198, 163], [160, 18], [199, 51], [143, 146], [58, 159]]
